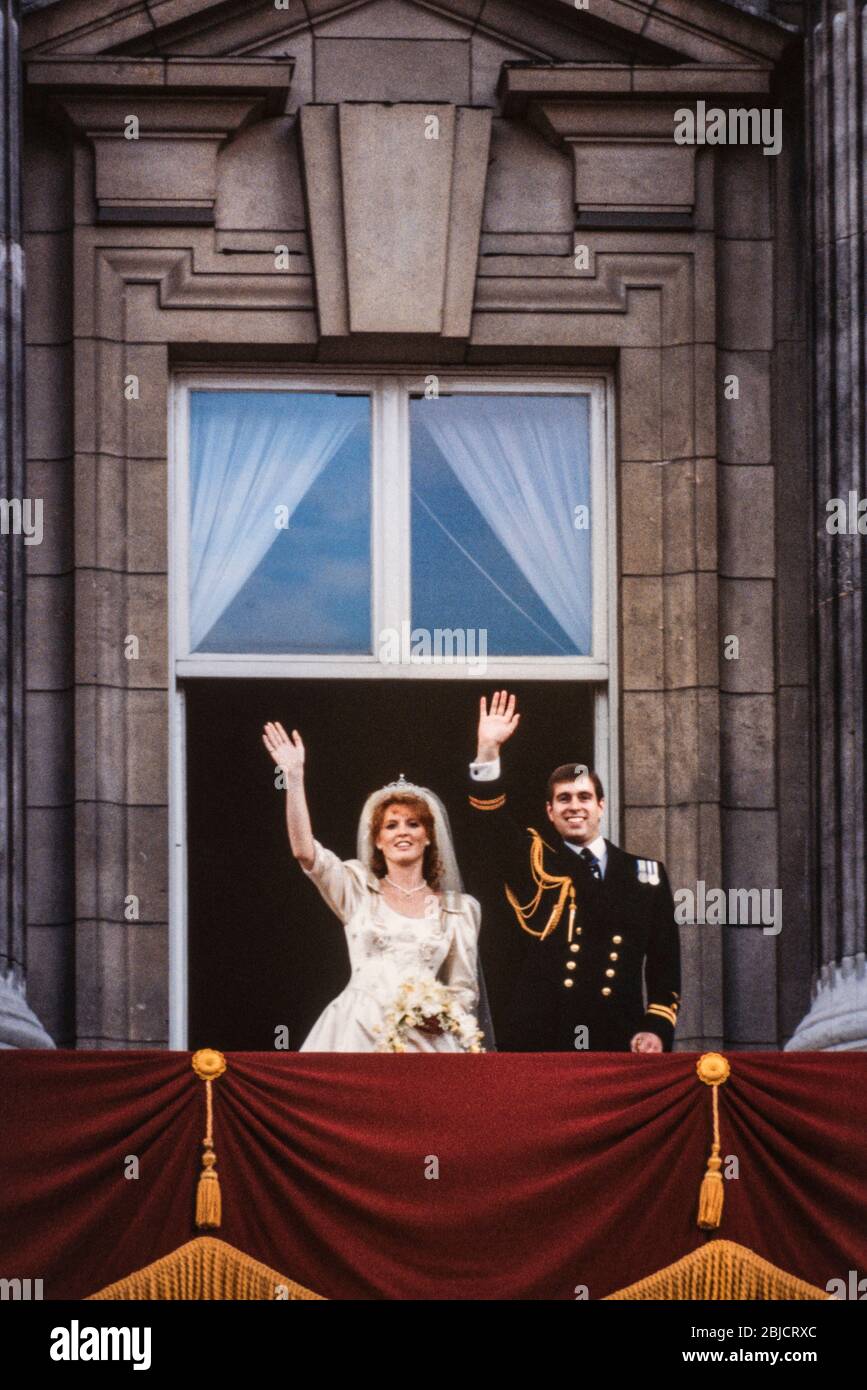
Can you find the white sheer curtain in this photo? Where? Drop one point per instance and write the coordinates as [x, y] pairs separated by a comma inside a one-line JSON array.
[[525, 463], [250, 452]]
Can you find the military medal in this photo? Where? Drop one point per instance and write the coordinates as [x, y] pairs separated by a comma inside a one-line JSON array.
[[648, 871]]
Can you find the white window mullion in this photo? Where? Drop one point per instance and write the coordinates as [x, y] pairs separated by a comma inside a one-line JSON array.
[[606, 760], [391, 523], [404, 495], [179, 520], [178, 599], [178, 876], [600, 515]]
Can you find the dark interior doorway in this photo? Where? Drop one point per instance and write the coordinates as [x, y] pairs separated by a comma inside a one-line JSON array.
[[264, 950]]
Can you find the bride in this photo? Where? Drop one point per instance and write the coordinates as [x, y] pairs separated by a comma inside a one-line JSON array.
[[412, 934]]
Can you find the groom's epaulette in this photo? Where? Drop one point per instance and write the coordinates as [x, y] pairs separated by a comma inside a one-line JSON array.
[[493, 803]]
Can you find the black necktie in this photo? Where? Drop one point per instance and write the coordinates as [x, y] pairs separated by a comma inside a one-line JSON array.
[[591, 861]]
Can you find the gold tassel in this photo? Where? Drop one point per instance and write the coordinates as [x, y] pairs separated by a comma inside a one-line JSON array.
[[208, 1065], [710, 1198], [713, 1070]]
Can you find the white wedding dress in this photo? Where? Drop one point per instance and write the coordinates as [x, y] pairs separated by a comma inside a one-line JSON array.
[[385, 949]]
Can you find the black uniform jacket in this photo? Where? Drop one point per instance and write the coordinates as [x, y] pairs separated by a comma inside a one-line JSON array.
[[587, 975]]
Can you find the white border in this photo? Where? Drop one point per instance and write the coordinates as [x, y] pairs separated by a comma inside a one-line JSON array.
[[178, 433], [390, 537]]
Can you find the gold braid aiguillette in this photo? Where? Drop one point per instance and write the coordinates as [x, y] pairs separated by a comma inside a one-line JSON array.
[[544, 882]]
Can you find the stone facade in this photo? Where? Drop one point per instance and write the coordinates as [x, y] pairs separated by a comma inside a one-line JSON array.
[[19, 1026], [836, 75], [290, 124]]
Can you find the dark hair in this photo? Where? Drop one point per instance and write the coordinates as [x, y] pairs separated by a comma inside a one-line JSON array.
[[570, 772], [431, 866]]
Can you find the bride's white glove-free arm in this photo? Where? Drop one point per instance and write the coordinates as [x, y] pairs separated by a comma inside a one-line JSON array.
[[288, 753]]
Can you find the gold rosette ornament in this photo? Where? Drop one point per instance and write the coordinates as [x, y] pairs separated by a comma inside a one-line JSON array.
[[713, 1069], [208, 1064]]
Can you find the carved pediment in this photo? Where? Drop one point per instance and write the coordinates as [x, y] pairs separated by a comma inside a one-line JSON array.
[[624, 31], [393, 213]]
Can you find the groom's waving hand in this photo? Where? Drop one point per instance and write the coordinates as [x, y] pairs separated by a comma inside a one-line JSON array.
[[495, 725], [597, 923]]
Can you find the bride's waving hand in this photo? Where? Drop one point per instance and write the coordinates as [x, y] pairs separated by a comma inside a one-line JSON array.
[[288, 754]]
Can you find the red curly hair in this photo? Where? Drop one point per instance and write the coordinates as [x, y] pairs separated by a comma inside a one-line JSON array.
[[431, 865]]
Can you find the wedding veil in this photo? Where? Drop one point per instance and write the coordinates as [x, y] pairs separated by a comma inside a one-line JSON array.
[[450, 878]]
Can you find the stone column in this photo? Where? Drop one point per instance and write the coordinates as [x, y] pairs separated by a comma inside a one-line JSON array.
[[837, 37], [19, 1026]]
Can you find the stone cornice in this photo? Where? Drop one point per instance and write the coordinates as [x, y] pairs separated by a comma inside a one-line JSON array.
[[185, 277], [523, 85], [520, 311], [265, 78], [618, 122], [165, 168]]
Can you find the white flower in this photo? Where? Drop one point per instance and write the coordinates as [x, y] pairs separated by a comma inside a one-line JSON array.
[[426, 1000]]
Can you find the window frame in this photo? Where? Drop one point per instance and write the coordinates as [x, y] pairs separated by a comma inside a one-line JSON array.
[[390, 542], [390, 538]]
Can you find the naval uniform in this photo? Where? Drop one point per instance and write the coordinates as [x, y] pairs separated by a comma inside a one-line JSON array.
[[594, 926]]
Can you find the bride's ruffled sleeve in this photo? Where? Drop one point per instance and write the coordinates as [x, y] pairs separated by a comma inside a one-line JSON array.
[[342, 883], [460, 968]]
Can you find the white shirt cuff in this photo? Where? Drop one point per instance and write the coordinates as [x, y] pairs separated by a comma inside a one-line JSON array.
[[485, 772]]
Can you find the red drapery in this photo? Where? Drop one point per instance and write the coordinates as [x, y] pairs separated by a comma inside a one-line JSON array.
[[554, 1171]]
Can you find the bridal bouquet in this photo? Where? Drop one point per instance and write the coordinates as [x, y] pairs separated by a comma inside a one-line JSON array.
[[420, 1002]]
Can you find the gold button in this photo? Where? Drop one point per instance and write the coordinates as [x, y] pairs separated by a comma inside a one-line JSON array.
[[568, 983], [610, 973], [570, 965], [574, 947], [606, 991], [617, 940], [577, 931], [613, 955]]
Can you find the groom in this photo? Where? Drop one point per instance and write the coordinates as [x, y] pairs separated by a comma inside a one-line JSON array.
[[593, 919]]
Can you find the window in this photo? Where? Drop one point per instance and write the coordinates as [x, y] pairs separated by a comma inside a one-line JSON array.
[[501, 520], [279, 522], [377, 526]]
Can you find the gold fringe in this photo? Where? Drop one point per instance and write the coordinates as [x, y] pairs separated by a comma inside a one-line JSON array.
[[206, 1268], [208, 1065], [721, 1269]]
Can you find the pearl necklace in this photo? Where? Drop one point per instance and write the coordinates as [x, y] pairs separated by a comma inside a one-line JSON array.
[[407, 892]]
